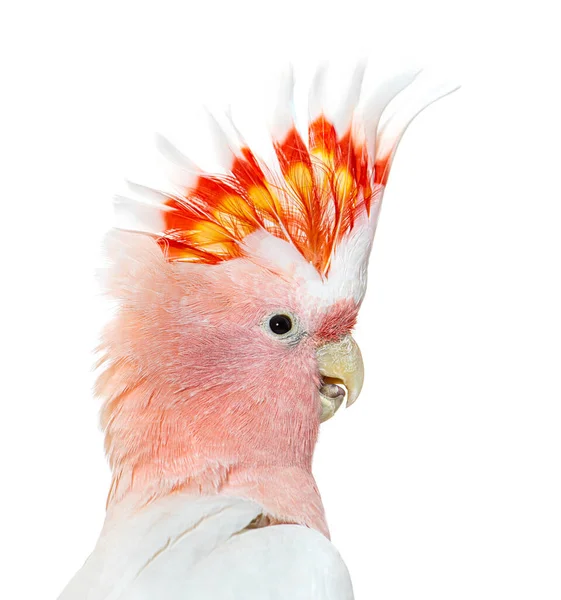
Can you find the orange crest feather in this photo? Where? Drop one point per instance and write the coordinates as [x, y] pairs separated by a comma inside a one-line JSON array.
[[322, 188], [311, 200]]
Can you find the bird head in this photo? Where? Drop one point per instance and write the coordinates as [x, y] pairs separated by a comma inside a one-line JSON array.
[[237, 295]]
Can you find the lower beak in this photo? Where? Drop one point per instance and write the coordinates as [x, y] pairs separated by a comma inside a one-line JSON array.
[[340, 364]]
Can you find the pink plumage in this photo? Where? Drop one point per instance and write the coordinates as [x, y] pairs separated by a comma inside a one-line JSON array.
[[198, 395]]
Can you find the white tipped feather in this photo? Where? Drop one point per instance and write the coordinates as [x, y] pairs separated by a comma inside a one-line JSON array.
[[240, 139], [316, 97], [138, 216], [283, 115], [384, 93], [222, 145], [343, 117], [169, 151], [182, 171], [414, 100], [147, 193]]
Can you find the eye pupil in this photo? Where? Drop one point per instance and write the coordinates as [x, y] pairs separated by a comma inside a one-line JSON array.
[[280, 324]]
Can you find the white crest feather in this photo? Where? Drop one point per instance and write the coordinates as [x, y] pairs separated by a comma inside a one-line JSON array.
[[282, 119], [149, 194], [384, 93], [316, 96], [224, 148], [138, 216], [182, 171], [343, 116], [413, 100]]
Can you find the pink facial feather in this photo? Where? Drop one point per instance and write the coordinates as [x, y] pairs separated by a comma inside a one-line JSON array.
[[198, 396]]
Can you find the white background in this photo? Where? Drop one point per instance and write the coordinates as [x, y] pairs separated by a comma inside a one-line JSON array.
[[443, 481]]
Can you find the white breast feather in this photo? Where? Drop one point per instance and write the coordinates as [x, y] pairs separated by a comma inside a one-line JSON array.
[[187, 548]]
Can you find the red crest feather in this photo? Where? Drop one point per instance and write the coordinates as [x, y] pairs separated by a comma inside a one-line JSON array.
[[324, 186], [312, 199]]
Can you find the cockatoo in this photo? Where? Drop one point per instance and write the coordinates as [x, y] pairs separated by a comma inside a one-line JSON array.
[[237, 294]]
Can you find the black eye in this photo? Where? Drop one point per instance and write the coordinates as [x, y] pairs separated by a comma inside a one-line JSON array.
[[280, 324]]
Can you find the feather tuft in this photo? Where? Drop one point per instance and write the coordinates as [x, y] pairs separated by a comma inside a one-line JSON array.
[[315, 194]]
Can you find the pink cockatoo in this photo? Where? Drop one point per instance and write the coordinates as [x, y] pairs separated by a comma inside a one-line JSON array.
[[232, 342]]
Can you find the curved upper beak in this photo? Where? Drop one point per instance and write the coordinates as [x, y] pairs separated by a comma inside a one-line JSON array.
[[340, 364]]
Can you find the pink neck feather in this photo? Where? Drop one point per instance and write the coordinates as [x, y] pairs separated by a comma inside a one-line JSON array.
[[160, 442]]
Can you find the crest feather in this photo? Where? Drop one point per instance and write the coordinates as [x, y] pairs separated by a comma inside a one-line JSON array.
[[313, 197]]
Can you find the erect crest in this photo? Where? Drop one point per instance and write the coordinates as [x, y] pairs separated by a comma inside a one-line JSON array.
[[312, 197]]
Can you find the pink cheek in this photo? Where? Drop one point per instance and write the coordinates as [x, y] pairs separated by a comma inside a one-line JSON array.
[[277, 358]]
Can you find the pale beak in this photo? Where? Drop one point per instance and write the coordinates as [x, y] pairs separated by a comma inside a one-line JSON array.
[[340, 364]]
